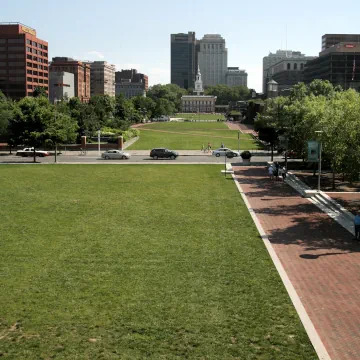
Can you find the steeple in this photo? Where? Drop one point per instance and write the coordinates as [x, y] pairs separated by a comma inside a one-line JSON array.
[[198, 83]]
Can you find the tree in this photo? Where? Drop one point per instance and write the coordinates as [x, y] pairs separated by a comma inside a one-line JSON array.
[[169, 92], [104, 106], [28, 125], [40, 91], [225, 93], [144, 105]]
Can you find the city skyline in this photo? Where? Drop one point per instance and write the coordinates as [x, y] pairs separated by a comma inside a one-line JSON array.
[[251, 31]]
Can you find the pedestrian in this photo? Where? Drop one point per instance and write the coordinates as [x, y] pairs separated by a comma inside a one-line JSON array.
[[203, 148], [280, 173], [271, 172], [284, 174], [276, 172], [357, 225], [222, 145]]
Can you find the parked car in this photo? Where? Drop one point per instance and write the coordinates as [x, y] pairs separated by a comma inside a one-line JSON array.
[[30, 152], [160, 153], [225, 151], [162, 118], [115, 154]]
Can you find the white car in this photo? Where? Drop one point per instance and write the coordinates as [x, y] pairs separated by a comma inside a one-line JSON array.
[[115, 154], [30, 152], [225, 151]]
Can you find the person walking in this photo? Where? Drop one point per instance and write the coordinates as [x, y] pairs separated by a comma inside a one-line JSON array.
[[357, 225], [271, 172], [280, 173], [222, 145], [202, 148]]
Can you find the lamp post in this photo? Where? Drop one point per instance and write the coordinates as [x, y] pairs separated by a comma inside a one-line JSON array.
[[99, 132], [320, 150], [55, 102]]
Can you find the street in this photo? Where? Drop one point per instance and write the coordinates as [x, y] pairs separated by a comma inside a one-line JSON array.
[[135, 159]]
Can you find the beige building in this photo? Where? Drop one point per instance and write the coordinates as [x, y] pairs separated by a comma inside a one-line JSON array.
[[198, 103], [102, 78]]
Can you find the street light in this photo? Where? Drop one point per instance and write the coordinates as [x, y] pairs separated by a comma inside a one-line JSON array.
[[320, 149], [55, 102]]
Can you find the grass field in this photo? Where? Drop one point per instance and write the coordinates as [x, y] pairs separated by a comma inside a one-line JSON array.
[[196, 116], [191, 136], [137, 262]]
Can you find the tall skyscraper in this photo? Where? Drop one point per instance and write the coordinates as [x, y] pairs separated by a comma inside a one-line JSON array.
[[81, 73], [212, 59], [23, 61], [102, 78], [183, 59]]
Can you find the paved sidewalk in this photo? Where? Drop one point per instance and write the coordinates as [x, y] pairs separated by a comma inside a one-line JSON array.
[[319, 256]]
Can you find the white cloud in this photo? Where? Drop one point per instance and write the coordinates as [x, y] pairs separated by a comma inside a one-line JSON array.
[[95, 53]]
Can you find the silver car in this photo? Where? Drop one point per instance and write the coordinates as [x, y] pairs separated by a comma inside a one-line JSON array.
[[225, 151], [115, 154]]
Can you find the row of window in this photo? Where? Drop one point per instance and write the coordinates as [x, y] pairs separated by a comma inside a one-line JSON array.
[[37, 66], [35, 44], [34, 58], [295, 66], [35, 80], [12, 41], [31, 87], [212, 46], [34, 51], [196, 102], [61, 85]]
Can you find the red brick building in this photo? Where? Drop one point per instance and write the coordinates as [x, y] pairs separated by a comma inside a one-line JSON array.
[[81, 73], [23, 61]]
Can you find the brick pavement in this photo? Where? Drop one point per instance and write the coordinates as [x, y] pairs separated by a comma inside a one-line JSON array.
[[319, 256], [349, 201]]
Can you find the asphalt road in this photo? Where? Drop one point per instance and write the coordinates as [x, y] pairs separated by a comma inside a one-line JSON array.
[[135, 159]]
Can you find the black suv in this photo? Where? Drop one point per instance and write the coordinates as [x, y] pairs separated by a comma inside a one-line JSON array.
[[159, 153]]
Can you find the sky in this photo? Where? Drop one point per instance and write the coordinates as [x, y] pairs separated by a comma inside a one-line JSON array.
[[136, 34]]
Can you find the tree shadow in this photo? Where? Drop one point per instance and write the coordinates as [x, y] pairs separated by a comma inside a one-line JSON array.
[[315, 257]]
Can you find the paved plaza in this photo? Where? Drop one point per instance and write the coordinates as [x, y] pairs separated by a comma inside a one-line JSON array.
[[319, 256]]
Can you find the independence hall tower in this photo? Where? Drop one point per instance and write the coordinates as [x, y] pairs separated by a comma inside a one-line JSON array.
[[23, 61]]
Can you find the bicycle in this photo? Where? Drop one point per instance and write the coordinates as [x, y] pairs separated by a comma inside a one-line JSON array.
[[82, 151]]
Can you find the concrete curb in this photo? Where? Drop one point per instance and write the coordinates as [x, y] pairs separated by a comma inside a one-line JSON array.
[[304, 317]]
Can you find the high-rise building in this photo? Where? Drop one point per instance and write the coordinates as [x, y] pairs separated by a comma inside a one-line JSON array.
[[339, 64], [81, 73], [102, 78], [236, 77], [133, 76], [183, 59], [272, 59], [212, 59], [61, 86], [329, 40], [23, 61]]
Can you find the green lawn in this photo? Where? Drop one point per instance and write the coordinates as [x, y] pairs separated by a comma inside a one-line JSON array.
[[196, 116], [191, 136], [137, 262]]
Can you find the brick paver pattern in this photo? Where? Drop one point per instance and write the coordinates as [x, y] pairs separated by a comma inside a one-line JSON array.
[[319, 256]]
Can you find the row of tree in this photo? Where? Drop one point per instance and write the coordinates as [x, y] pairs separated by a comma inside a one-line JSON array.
[[318, 112]]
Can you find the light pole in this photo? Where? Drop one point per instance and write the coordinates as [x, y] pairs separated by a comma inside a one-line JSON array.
[[55, 102], [239, 141], [320, 150]]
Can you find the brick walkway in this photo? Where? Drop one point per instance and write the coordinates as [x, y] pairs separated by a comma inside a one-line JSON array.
[[318, 255], [350, 202]]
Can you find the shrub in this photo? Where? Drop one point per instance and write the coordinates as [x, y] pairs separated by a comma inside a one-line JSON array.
[[246, 155]]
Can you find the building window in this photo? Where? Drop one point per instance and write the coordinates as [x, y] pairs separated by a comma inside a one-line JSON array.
[[28, 41], [15, 41], [295, 66], [29, 79], [302, 66], [288, 66]]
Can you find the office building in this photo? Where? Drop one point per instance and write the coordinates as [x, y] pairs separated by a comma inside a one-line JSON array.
[[288, 72], [61, 86], [133, 76], [272, 59], [81, 73], [339, 64], [183, 59], [130, 89], [23, 61], [102, 78], [236, 77], [212, 59], [329, 40]]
